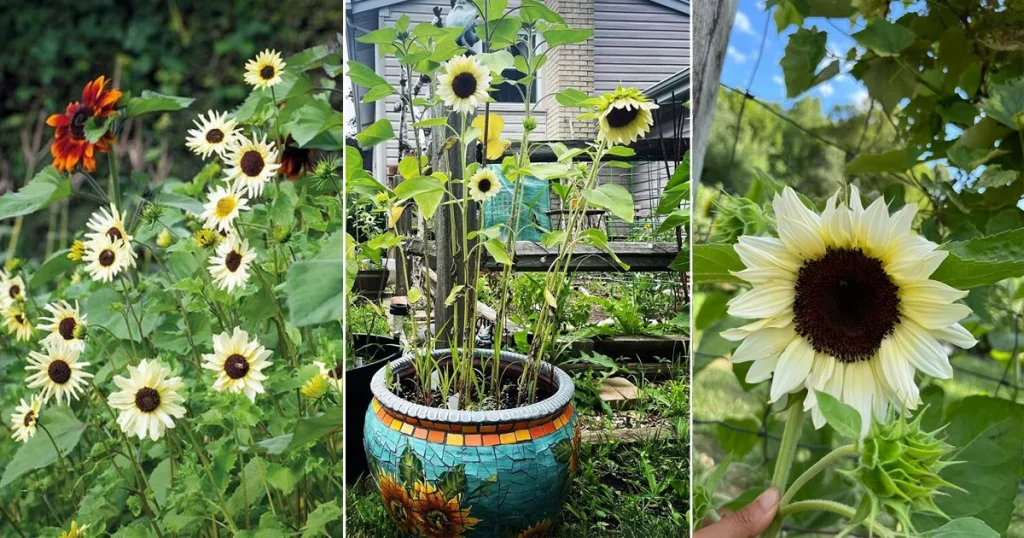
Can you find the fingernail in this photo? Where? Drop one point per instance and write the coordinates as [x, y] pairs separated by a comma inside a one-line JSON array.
[[767, 500]]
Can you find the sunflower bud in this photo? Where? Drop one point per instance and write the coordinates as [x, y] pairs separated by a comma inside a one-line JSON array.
[[80, 331], [207, 238], [77, 251], [530, 124], [163, 239], [152, 213], [316, 387], [13, 265], [279, 233], [899, 467]]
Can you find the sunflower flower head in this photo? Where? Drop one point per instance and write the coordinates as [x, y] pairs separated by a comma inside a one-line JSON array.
[[484, 185], [24, 418], [74, 531], [265, 70], [65, 324], [844, 305], [17, 322], [624, 115], [149, 400], [239, 363], [77, 251], [463, 83], [251, 164], [71, 145], [58, 372], [899, 468], [213, 134]]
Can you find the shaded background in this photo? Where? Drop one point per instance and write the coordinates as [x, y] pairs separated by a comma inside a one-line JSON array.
[[194, 49]]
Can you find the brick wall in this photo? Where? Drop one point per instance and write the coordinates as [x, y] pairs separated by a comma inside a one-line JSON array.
[[570, 66]]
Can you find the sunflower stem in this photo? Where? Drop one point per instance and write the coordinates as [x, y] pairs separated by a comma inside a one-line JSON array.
[[822, 464], [784, 461], [841, 509], [115, 185], [206, 467]]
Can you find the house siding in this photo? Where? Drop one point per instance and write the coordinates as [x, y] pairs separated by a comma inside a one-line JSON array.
[[638, 43], [364, 54]]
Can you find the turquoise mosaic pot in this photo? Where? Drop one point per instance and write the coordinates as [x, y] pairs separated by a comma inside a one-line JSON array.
[[446, 474]]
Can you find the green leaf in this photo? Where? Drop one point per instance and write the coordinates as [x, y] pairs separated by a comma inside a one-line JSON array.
[[614, 198], [884, 38], [47, 187], [316, 287], [736, 442], [318, 519], [38, 452], [552, 238], [55, 265], [677, 189], [598, 239], [556, 37], [497, 251], [160, 481], [887, 81], [149, 101], [96, 127], [1006, 104], [805, 50], [383, 36], [964, 527], [535, 10], [679, 217], [312, 118], [843, 418], [308, 430], [98, 308], [427, 191], [453, 295], [621, 151], [712, 263], [892, 161], [983, 260], [546, 171], [571, 97], [380, 131]]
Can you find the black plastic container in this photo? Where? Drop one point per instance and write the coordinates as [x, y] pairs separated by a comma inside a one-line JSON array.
[[376, 351]]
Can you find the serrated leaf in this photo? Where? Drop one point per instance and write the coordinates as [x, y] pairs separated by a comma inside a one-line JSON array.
[[497, 251], [712, 263], [614, 198], [571, 97], [149, 101], [884, 38], [47, 187], [983, 260], [427, 191], [379, 131], [892, 161], [556, 37], [842, 417], [1006, 104], [318, 519]]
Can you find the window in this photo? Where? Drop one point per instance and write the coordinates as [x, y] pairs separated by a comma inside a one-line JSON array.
[[509, 93]]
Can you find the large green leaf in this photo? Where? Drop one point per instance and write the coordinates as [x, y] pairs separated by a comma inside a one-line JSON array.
[[318, 519], [884, 38], [805, 50], [1006, 104], [844, 418], [316, 287], [891, 161], [557, 37], [988, 432], [55, 265], [312, 118], [105, 308], [887, 81], [149, 101], [379, 131], [39, 452], [712, 263], [677, 190], [47, 187], [427, 191], [983, 260], [964, 527], [614, 198]]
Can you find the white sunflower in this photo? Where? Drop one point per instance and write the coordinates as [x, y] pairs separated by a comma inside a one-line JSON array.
[[222, 207], [12, 289], [251, 163], [845, 306], [265, 70], [624, 115], [213, 134], [484, 185], [239, 363], [58, 372], [229, 267], [110, 223], [65, 324], [148, 401], [17, 322], [463, 84], [106, 258], [23, 421]]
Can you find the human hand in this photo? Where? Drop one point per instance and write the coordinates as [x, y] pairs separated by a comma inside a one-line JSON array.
[[748, 522]]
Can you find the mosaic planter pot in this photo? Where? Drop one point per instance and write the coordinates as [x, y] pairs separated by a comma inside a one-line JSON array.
[[448, 473]]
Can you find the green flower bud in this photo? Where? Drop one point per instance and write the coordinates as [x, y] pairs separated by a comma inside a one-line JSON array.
[[899, 467], [13, 265], [529, 124]]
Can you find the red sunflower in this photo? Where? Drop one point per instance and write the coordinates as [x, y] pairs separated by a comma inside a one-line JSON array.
[[295, 161], [71, 146], [398, 503], [440, 517], [540, 530]]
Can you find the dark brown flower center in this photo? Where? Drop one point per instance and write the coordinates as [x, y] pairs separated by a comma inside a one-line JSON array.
[[107, 258], [215, 136], [252, 163], [464, 85], [845, 304], [484, 185], [236, 366], [14, 291], [30, 418], [78, 120], [622, 116], [232, 261], [66, 328], [114, 233], [147, 399], [267, 72], [59, 372], [19, 318]]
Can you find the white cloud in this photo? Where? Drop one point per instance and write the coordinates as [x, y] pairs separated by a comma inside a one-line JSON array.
[[742, 23], [736, 55], [860, 99], [761, 5], [779, 80], [842, 77], [826, 90]]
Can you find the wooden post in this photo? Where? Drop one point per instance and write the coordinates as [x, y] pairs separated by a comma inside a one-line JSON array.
[[712, 22], [453, 265]]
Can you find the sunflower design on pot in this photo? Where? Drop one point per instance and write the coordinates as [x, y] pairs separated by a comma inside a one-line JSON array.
[[845, 305], [72, 147], [440, 516], [540, 530], [399, 503]]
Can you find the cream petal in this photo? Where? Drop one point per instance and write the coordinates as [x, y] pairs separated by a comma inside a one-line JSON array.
[[762, 369], [859, 392], [766, 252], [931, 291], [763, 302], [900, 223], [837, 223], [799, 237], [896, 372], [956, 335], [788, 204], [873, 228], [794, 365], [922, 350], [765, 275], [739, 333], [764, 343], [934, 315]]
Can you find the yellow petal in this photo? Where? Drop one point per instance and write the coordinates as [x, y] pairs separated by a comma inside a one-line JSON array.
[[496, 148], [495, 124]]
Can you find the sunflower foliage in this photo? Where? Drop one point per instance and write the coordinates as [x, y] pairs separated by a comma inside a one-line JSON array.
[[173, 372], [455, 162]]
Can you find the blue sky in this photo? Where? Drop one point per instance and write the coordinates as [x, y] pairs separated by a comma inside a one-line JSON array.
[[768, 83]]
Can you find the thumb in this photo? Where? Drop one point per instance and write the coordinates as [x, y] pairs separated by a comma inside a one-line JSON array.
[[748, 522]]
